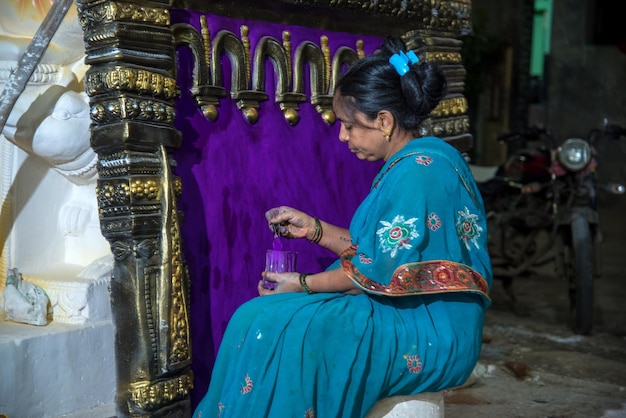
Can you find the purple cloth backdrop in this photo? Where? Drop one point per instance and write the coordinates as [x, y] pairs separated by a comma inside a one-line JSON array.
[[232, 172]]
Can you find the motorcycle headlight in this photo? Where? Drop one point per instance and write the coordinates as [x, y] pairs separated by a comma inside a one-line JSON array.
[[574, 154]]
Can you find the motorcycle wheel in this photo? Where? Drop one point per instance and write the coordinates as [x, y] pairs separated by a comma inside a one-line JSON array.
[[581, 276]]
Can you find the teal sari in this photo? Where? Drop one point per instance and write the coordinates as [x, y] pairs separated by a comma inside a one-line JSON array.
[[419, 254]]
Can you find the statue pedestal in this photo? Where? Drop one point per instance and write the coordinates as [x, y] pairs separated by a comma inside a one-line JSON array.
[[57, 369]]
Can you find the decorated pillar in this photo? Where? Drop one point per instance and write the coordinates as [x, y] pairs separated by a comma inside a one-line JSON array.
[[130, 84]]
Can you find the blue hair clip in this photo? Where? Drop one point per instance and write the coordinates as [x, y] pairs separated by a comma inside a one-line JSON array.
[[401, 61]]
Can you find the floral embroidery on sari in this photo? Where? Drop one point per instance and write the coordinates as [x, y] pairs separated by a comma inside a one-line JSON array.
[[397, 234], [414, 363], [364, 259], [247, 388], [310, 413], [423, 160], [424, 277], [468, 229], [433, 221]]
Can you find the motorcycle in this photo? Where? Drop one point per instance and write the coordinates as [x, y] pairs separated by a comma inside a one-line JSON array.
[[542, 207]]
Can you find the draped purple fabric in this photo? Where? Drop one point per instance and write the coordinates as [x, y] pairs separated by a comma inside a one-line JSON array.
[[232, 172]]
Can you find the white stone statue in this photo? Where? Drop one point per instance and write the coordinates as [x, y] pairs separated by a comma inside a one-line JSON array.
[[23, 301], [49, 221]]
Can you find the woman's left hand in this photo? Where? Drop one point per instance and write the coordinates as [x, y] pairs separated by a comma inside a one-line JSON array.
[[285, 282]]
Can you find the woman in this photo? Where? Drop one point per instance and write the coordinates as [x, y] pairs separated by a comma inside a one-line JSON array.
[[401, 311]]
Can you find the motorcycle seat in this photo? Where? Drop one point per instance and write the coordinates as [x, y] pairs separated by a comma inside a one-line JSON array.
[[483, 174]]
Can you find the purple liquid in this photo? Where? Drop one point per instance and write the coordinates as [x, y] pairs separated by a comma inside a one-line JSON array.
[[279, 261], [277, 245]]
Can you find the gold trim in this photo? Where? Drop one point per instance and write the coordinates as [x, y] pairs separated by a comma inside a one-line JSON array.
[[175, 340], [206, 38], [326, 53], [453, 106], [360, 52], [245, 39], [131, 108], [119, 11], [148, 395], [288, 51], [444, 57], [98, 81], [444, 128], [145, 189]]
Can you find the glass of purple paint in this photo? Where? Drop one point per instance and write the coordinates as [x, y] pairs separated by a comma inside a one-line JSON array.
[[278, 260]]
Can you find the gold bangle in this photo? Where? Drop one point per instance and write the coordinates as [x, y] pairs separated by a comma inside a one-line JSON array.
[[304, 285], [318, 233]]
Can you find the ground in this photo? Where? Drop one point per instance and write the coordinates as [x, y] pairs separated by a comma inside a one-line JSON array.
[[533, 365]]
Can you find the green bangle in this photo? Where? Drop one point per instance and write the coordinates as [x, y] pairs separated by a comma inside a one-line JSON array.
[[304, 285], [317, 234]]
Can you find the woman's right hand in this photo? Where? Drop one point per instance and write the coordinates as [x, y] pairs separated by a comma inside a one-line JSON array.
[[290, 223]]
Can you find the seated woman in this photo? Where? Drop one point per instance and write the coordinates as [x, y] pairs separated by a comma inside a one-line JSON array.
[[401, 311]]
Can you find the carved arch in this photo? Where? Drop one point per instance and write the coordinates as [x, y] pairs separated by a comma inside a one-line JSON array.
[[228, 43], [206, 95]]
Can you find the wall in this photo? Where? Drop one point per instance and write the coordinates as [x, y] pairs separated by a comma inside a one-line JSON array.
[[584, 81], [586, 84]]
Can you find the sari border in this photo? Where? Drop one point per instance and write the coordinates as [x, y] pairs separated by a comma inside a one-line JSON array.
[[418, 278]]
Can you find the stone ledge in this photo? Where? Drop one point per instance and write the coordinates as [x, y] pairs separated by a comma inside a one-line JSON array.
[[56, 369], [102, 411]]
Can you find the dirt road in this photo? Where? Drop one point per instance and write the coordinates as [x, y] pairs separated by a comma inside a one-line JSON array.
[[532, 365]]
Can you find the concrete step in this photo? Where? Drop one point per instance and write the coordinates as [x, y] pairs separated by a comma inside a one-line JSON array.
[[57, 370]]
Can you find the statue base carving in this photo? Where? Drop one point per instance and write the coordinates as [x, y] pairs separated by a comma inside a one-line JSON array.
[[78, 297]]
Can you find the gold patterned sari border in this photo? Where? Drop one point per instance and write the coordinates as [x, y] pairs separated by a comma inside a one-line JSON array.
[[425, 277]]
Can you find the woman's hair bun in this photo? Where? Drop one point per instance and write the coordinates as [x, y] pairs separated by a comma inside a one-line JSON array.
[[424, 85], [392, 45], [374, 84]]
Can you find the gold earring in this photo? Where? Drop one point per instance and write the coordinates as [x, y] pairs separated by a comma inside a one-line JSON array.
[[387, 135]]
